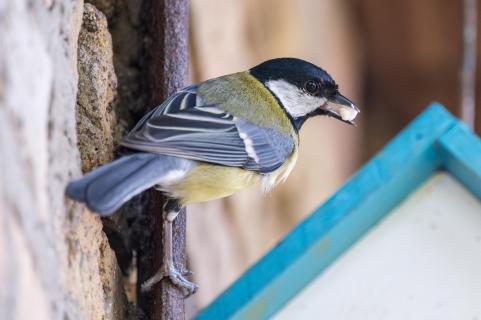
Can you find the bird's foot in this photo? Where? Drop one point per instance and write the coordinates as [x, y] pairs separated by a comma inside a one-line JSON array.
[[175, 276]]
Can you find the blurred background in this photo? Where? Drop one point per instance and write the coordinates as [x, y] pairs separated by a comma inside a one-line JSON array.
[[392, 57], [73, 79]]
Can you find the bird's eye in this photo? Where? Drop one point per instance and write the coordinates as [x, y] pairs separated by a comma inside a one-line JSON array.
[[311, 86]]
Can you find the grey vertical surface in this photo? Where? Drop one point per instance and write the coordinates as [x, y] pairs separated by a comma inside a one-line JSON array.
[[166, 68]]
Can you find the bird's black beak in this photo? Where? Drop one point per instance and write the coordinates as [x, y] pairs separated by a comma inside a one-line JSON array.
[[341, 108]]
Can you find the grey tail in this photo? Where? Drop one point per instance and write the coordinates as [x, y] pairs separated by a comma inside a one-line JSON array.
[[107, 188]]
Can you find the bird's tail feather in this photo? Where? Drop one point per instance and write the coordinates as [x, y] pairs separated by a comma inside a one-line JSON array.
[[107, 188]]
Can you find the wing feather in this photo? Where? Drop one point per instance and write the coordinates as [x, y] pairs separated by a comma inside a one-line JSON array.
[[183, 126]]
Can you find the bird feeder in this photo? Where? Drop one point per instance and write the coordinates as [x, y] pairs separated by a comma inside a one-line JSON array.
[[401, 239]]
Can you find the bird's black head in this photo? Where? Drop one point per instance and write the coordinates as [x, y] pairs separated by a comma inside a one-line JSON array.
[[304, 90]]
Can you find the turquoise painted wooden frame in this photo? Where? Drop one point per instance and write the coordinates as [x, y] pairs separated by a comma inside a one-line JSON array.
[[434, 141]]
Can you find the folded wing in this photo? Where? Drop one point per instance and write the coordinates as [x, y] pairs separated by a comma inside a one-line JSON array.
[[182, 126]]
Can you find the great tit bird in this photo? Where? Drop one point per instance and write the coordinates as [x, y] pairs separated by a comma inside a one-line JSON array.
[[209, 140]]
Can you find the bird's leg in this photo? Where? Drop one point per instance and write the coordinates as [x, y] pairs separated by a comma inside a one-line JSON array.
[[170, 211]]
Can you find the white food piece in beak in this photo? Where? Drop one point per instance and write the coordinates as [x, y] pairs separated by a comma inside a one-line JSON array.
[[347, 113]]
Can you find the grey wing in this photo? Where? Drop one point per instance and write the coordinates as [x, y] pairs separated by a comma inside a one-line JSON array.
[[182, 126]]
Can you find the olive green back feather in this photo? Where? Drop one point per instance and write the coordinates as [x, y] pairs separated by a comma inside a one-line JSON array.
[[245, 97]]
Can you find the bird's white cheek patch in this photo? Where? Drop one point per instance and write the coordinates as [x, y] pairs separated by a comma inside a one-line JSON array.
[[296, 102]]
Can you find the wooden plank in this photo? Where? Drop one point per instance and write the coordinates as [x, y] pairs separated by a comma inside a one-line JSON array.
[[166, 69], [461, 151], [310, 247]]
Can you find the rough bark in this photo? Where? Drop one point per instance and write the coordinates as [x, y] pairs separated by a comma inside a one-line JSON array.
[[96, 120]]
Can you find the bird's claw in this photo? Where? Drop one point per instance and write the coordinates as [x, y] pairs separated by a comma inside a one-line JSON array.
[[180, 281], [176, 277]]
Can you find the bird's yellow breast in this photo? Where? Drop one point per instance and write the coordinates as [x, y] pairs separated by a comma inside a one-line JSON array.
[[207, 182]]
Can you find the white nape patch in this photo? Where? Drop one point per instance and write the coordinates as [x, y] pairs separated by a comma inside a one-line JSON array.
[[295, 100], [249, 146]]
